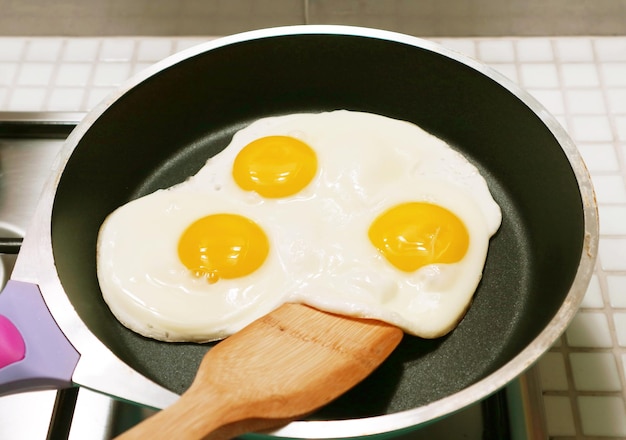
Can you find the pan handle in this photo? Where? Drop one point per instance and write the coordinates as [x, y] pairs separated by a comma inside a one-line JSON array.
[[34, 353]]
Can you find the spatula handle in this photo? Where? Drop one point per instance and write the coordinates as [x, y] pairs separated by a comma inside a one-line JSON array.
[[194, 417]]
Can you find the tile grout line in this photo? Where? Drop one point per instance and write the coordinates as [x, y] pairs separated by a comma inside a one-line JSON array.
[[11, 84], [566, 349], [19, 67], [134, 60], [56, 65], [609, 114], [602, 275], [90, 83], [306, 14], [618, 352]]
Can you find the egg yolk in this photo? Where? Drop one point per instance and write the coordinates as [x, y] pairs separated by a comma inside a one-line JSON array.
[[223, 246], [413, 235], [275, 166]]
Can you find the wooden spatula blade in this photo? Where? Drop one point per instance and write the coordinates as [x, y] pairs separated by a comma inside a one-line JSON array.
[[279, 368]]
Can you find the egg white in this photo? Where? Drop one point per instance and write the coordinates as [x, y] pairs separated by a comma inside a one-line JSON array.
[[320, 253], [149, 289]]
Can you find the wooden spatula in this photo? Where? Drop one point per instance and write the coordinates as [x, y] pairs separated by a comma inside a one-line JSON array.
[[279, 368]]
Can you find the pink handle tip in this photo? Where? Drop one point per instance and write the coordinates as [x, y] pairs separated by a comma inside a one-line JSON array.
[[12, 347], [49, 359]]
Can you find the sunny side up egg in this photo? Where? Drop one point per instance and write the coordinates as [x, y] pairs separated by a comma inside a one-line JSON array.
[[349, 212]]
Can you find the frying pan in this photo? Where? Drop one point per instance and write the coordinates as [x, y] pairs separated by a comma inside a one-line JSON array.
[[162, 126]]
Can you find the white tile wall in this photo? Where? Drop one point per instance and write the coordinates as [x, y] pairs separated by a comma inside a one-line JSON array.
[[602, 415], [595, 372], [74, 74], [581, 80]]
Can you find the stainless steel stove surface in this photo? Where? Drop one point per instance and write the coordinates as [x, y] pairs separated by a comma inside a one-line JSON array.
[[29, 144]]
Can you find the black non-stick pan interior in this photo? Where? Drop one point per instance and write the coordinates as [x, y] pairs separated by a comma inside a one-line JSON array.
[[163, 130]]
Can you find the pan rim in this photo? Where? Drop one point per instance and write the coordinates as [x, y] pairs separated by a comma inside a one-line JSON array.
[[37, 253]]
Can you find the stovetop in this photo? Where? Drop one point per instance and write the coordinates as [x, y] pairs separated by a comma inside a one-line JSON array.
[[29, 143]]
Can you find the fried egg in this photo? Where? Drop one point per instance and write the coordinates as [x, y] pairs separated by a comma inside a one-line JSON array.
[[349, 212]]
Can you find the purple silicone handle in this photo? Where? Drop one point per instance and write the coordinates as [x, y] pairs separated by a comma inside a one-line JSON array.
[[36, 354]]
